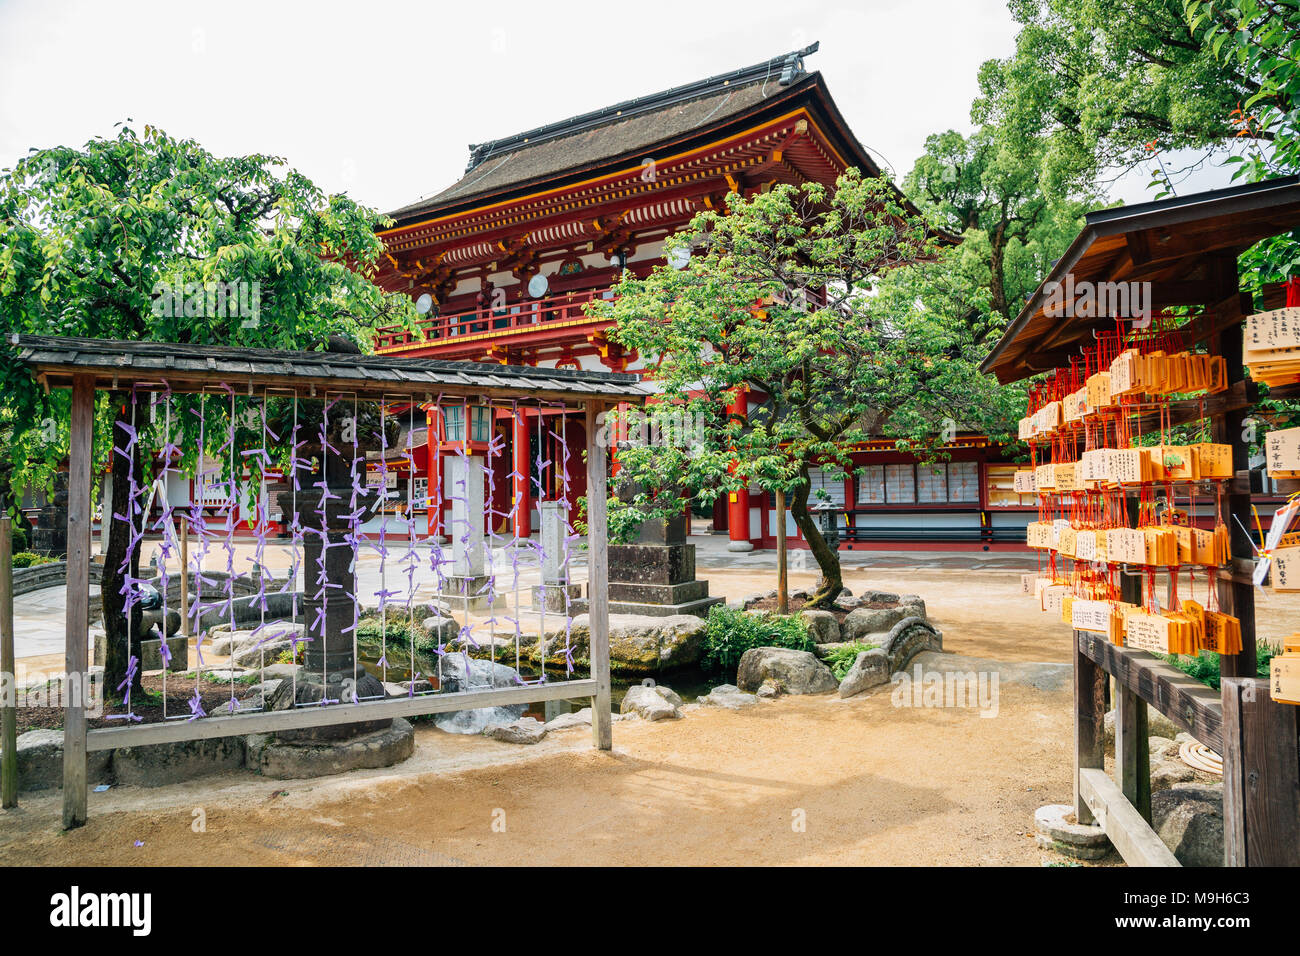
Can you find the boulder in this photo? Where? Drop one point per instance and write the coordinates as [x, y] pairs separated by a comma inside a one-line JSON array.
[[770, 689], [226, 643], [525, 730], [441, 629], [879, 597], [256, 653], [478, 720], [869, 669], [651, 702], [638, 643], [297, 760], [273, 694], [157, 765], [863, 621], [1189, 819], [847, 603], [798, 672], [800, 594], [823, 628], [40, 761], [1056, 829], [577, 718], [1168, 773], [729, 696], [1158, 725]]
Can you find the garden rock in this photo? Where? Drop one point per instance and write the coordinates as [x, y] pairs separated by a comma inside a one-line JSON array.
[[157, 765], [525, 730], [1158, 725], [254, 655], [823, 628], [651, 702], [285, 760], [870, 620], [638, 643], [729, 696], [441, 630], [1189, 819], [40, 761], [478, 720], [869, 669], [798, 672], [770, 689]]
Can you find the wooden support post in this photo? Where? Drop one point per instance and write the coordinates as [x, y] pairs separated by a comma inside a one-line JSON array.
[[1089, 717], [1132, 750], [598, 579], [8, 674], [1261, 777], [1236, 597], [76, 680], [782, 579]]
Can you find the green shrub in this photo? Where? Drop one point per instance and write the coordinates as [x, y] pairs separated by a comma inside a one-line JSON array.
[[1204, 667], [840, 659], [26, 559], [730, 633]]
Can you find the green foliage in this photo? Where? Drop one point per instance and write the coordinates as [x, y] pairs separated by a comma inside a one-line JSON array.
[[1204, 667], [777, 299], [96, 241], [840, 659], [398, 632], [1110, 84], [730, 633], [26, 559]]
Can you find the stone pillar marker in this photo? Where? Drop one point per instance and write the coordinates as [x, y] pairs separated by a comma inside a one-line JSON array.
[[655, 575], [467, 583], [555, 573]]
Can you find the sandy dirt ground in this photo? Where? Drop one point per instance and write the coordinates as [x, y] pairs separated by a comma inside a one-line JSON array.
[[802, 780]]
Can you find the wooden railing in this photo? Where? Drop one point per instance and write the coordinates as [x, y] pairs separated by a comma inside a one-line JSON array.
[[532, 313]]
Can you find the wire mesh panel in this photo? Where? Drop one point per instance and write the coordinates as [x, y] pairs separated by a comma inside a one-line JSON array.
[[360, 549]]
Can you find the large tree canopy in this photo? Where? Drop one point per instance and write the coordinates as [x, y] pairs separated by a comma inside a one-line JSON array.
[[782, 298], [142, 236]]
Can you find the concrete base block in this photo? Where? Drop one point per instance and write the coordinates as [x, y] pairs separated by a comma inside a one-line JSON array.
[[1056, 831]]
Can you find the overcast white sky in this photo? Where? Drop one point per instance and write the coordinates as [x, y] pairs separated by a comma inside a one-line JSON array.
[[381, 98]]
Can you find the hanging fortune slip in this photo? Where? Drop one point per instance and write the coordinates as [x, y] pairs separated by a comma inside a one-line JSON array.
[[1282, 453], [1271, 346]]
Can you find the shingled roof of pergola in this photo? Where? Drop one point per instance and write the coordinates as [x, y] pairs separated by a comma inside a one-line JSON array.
[[1175, 244], [114, 363]]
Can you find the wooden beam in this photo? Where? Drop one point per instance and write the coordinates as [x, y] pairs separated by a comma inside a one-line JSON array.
[[76, 679], [598, 578], [1089, 719], [1261, 776], [1190, 704], [1131, 835], [297, 718]]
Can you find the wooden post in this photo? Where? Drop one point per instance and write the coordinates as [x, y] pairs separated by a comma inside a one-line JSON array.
[[1089, 717], [1261, 777], [1132, 750], [76, 680], [187, 628], [1236, 597], [782, 581], [8, 674], [598, 580]]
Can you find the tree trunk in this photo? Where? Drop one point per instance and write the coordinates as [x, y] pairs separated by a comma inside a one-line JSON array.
[[117, 649], [997, 272], [827, 558]]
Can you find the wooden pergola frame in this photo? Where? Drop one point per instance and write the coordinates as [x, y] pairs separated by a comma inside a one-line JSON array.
[[1187, 249], [88, 365]]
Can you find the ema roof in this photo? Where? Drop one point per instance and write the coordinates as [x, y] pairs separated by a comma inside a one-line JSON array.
[[184, 367], [630, 127]]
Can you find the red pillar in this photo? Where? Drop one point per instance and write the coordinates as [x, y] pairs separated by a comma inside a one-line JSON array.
[[523, 494], [434, 434], [738, 501]]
